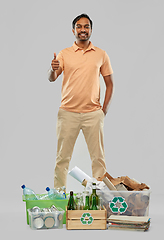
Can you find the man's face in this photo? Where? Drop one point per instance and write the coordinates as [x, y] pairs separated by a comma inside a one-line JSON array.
[[82, 29]]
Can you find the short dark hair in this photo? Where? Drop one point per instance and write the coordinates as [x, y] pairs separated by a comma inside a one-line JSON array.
[[79, 17]]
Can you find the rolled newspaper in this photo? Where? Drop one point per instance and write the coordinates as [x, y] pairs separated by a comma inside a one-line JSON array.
[[78, 174]]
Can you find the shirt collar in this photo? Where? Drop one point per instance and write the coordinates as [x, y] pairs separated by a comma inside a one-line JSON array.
[[90, 47]]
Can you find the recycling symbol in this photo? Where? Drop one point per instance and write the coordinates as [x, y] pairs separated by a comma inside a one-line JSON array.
[[114, 206], [86, 218]]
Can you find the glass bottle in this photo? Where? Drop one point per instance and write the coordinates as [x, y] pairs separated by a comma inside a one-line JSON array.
[[94, 204], [93, 193], [100, 205], [79, 201], [87, 205], [71, 205]]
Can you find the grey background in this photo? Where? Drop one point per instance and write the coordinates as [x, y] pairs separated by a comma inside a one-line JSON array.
[[131, 32]]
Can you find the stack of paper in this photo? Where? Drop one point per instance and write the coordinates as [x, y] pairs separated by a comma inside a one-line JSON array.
[[128, 222]]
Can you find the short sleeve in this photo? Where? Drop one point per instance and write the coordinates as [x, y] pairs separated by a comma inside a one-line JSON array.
[[61, 60], [106, 68]]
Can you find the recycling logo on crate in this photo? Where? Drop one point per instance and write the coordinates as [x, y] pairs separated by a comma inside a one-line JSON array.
[[118, 201], [86, 218]]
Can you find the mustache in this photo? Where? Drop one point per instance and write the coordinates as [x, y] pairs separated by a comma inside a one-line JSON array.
[[83, 33]]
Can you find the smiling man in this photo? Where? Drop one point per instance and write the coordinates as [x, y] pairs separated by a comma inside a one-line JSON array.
[[80, 107]]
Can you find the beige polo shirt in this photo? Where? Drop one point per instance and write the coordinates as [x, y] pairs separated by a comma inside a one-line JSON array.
[[81, 83]]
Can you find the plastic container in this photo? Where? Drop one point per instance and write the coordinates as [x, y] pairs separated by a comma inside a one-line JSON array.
[[46, 220], [59, 203], [129, 203]]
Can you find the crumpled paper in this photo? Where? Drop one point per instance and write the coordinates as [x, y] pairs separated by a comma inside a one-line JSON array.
[[130, 184]]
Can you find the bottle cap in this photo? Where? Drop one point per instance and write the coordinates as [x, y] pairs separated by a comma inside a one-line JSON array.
[[47, 189], [23, 186], [64, 195]]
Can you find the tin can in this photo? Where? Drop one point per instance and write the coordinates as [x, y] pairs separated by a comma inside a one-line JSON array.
[[37, 219], [46, 210], [59, 217], [49, 220], [38, 222], [53, 208], [35, 209]]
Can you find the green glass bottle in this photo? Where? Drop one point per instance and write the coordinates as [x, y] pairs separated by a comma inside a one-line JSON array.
[[71, 205], [93, 193], [87, 205], [94, 204]]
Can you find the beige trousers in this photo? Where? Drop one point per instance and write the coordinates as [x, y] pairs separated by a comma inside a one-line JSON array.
[[69, 125]]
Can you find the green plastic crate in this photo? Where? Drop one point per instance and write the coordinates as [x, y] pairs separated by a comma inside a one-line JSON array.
[[62, 203]]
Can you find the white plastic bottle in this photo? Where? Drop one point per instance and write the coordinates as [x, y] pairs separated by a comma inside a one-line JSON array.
[[29, 193]]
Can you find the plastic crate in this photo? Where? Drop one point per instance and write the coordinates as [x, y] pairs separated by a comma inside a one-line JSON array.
[[59, 203], [44, 220], [128, 203]]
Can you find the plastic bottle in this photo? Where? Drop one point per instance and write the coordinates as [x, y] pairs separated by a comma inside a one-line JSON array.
[[28, 193], [62, 190], [54, 194], [44, 197]]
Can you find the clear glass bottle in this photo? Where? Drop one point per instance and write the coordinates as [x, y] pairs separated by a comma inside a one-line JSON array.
[[79, 201], [100, 203]]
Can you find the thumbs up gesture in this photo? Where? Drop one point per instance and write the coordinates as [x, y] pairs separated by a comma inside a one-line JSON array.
[[55, 63]]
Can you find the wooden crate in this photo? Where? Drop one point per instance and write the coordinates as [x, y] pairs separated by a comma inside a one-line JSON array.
[[86, 219]]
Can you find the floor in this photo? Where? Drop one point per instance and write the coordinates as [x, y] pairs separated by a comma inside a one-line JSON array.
[[13, 224]]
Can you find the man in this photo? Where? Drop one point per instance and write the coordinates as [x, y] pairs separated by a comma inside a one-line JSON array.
[[80, 107]]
